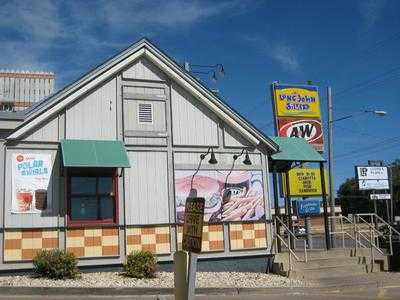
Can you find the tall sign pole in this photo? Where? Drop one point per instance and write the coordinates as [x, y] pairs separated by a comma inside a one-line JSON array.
[[330, 162], [391, 193], [326, 225]]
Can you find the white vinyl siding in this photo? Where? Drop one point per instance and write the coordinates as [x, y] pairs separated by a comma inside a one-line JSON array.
[[93, 117], [146, 188], [192, 123]]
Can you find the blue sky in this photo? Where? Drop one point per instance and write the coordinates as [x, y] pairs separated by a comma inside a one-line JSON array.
[[353, 46]]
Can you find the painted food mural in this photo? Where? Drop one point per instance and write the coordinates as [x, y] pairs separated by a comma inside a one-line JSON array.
[[230, 196]]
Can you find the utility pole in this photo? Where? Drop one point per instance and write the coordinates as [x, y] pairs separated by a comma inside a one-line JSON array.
[[391, 193], [330, 163]]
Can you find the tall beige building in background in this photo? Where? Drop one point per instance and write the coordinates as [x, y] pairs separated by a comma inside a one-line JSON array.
[[20, 89]]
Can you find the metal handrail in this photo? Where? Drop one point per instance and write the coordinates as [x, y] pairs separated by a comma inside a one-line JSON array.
[[369, 225], [371, 240], [290, 233], [291, 252], [375, 219], [344, 232], [381, 221]]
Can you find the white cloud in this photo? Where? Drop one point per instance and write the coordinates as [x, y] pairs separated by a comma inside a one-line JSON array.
[[39, 20], [371, 11], [165, 13], [278, 51], [34, 31], [285, 56]]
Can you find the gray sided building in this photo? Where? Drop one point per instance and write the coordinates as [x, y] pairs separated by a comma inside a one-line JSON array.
[[103, 167]]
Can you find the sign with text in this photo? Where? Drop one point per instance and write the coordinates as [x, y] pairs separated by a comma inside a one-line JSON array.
[[376, 173], [372, 178], [193, 225], [380, 196], [297, 113], [296, 101], [373, 184], [305, 182], [306, 128], [308, 207], [31, 174]]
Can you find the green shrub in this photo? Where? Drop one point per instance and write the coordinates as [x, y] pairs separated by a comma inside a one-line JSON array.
[[56, 264], [140, 264]]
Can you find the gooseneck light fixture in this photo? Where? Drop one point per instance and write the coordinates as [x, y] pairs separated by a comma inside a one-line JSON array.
[[246, 160], [211, 161], [216, 70]]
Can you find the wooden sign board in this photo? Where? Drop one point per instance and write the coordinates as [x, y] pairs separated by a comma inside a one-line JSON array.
[[193, 225]]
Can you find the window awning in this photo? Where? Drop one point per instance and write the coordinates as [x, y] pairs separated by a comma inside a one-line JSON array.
[[293, 150], [94, 154]]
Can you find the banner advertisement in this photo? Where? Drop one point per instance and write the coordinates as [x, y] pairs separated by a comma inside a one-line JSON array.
[[305, 182], [229, 196], [30, 180], [296, 101], [308, 129]]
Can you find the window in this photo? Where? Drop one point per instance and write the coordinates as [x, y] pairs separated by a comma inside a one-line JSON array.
[[92, 199], [145, 113]]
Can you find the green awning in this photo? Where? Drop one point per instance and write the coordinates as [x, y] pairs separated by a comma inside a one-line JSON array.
[[295, 150], [94, 154]]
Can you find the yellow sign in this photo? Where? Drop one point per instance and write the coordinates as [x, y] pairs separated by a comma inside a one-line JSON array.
[[296, 101], [193, 226], [305, 182]]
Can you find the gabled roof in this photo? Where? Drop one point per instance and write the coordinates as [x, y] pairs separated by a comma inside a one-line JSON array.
[[55, 103]]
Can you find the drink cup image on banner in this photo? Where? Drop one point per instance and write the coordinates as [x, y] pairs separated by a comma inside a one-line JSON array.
[[31, 174], [296, 101]]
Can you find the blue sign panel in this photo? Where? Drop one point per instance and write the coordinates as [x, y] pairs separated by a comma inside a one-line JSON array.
[[308, 207]]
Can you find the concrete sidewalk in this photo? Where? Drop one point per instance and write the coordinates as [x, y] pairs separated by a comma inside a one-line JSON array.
[[255, 294]]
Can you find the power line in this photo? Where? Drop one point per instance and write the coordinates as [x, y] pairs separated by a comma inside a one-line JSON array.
[[260, 103], [363, 154], [355, 131], [371, 147], [364, 83], [389, 143]]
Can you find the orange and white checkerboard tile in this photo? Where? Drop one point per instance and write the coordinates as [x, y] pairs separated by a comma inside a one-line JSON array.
[[247, 236], [24, 244], [93, 242], [212, 239], [151, 238]]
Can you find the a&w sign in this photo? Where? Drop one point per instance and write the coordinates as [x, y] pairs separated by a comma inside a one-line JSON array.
[[308, 129]]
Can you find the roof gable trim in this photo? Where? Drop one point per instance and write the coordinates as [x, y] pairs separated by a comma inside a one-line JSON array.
[[72, 97], [158, 58]]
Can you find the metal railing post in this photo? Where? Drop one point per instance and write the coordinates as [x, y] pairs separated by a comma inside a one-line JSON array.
[[305, 251], [372, 250], [355, 235], [341, 228]]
